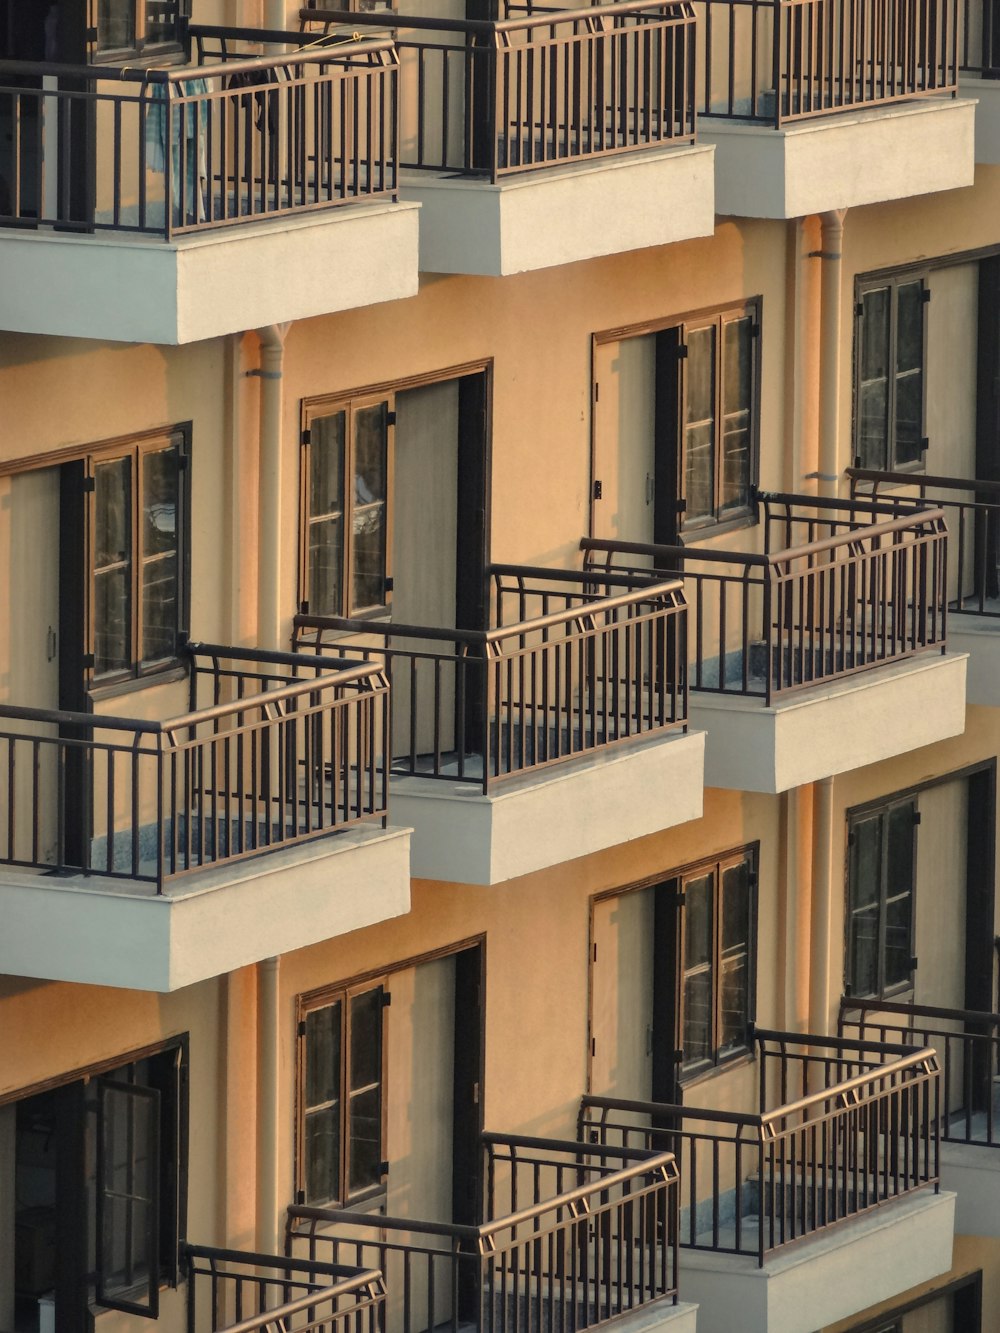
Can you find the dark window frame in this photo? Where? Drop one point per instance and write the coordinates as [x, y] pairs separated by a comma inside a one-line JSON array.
[[313, 410], [881, 811], [719, 1058], [967, 1297], [891, 282], [136, 450], [720, 518], [326, 999]]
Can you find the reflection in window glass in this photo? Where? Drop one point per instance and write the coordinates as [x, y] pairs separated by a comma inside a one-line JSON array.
[[882, 871]]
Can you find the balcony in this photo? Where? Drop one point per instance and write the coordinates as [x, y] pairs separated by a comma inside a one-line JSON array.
[[968, 1045], [821, 654], [972, 514], [131, 849], [229, 1289], [821, 1203], [823, 104], [575, 1236], [228, 193], [552, 735], [547, 138], [979, 65]]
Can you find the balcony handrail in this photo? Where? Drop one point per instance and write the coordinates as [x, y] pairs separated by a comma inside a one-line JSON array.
[[302, 1212], [921, 479], [489, 27], [193, 718], [216, 1254], [172, 75], [371, 1282], [903, 1008]]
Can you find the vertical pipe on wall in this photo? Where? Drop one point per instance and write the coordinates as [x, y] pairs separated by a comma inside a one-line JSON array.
[[272, 356], [822, 907], [268, 1074], [798, 895], [831, 254]]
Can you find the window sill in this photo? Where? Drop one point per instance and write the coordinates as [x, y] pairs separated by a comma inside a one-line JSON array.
[[737, 1061], [165, 675], [692, 536]]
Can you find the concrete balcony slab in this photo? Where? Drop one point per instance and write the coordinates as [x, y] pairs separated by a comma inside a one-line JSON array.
[[112, 932], [829, 1277], [986, 94], [829, 729], [972, 1171], [127, 288], [979, 636], [558, 215], [843, 159], [550, 815]]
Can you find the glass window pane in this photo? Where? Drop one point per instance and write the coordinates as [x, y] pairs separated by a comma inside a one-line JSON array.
[[698, 929], [875, 334], [322, 1154], [699, 472], [866, 861], [366, 1039], [736, 908], [326, 464], [115, 25], [700, 376], [910, 327], [368, 588], [898, 920], [323, 1054], [873, 425], [697, 1038], [899, 870], [864, 951], [371, 441], [112, 512], [366, 1139], [112, 646], [129, 1120], [160, 608], [161, 20], [160, 490], [734, 1003], [737, 365], [735, 463], [909, 418], [326, 568]]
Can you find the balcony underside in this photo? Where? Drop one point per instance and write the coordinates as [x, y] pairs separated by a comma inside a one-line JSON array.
[[129, 289], [112, 932], [832, 728], [843, 159], [553, 814], [859, 1263], [561, 214]]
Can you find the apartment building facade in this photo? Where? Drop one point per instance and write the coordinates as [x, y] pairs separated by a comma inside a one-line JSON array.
[[498, 713]]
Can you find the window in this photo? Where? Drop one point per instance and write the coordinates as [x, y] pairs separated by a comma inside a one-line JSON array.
[[347, 482], [137, 565], [718, 911], [340, 1138], [718, 415], [890, 351], [128, 27], [881, 874], [107, 1148]]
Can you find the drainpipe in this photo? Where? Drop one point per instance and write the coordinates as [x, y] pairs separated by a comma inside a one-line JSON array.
[[822, 907], [831, 255], [268, 1074], [272, 356], [798, 867]]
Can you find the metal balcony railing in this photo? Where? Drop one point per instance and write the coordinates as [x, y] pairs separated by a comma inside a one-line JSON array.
[[972, 515], [841, 587], [276, 749], [235, 1291], [575, 664], [843, 1127], [575, 1236], [533, 91], [968, 1047], [231, 136], [779, 61], [980, 52]]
